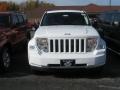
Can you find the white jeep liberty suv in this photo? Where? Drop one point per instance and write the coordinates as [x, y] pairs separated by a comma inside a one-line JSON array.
[[66, 39]]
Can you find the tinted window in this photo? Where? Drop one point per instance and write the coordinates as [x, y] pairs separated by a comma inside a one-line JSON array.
[[117, 17], [101, 17], [20, 17], [14, 20], [65, 19], [25, 18], [4, 20], [108, 18]]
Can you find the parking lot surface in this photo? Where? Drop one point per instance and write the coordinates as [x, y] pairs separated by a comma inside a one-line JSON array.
[[20, 77]]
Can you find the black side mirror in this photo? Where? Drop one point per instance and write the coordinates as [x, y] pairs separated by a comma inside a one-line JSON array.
[[94, 22], [32, 32], [36, 25]]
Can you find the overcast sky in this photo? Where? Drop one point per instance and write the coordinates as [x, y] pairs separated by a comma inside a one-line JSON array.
[[75, 2]]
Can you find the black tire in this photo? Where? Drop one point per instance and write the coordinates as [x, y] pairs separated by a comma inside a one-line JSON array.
[[5, 60]]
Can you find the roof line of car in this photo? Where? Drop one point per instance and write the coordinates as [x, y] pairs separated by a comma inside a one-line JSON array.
[[57, 11]]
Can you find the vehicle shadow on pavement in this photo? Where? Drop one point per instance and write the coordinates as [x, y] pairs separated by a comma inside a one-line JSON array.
[[111, 70], [20, 68]]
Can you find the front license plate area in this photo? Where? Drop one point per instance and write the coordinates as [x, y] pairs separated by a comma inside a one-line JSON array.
[[67, 63]]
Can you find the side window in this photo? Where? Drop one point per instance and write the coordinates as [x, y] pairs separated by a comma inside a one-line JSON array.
[[24, 18], [20, 18], [101, 18], [116, 20], [108, 19], [117, 17], [14, 20]]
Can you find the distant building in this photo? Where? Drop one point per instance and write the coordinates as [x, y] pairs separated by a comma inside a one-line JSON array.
[[92, 9]]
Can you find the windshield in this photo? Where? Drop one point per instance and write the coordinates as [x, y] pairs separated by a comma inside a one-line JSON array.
[[67, 18], [4, 20]]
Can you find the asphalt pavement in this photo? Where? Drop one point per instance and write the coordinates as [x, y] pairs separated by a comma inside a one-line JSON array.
[[20, 77]]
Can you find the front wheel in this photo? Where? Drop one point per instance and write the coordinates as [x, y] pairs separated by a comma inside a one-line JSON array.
[[5, 60]]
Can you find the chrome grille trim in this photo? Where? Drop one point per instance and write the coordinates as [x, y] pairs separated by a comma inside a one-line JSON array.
[[67, 45]]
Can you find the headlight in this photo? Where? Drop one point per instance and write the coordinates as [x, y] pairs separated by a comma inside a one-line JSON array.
[[42, 44], [101, 44], [91, 44]]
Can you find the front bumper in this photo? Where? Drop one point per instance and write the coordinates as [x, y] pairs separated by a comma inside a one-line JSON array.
[[52, 61]]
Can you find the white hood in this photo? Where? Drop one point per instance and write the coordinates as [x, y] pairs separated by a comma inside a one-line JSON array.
[[65, 31]]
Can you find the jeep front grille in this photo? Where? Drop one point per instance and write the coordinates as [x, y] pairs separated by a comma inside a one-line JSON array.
[[67, 45]]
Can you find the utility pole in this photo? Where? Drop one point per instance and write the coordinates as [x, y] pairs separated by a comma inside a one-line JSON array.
[[110, 2]]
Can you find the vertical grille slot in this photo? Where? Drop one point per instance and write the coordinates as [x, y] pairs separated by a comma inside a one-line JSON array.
[[62, 45], [72, 45], [82, 45], [51, 46], [67, 45], [56, 46], [77, 45]]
